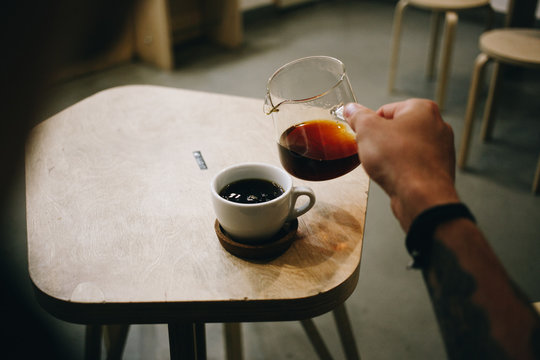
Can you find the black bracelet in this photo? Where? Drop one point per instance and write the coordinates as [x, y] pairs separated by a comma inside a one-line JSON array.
[[420, 236]]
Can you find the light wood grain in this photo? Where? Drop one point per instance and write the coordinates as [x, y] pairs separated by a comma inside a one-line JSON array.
[[121, 226], [449, 5], [513, 46]]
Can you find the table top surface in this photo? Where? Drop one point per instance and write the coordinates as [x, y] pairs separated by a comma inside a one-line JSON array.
[[121, 225]]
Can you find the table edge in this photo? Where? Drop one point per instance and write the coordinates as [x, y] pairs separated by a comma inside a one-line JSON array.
[[186, 311]]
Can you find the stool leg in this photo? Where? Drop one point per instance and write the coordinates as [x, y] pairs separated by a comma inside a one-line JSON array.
[[446, 56], [398, 15], [345, 333], [436, 19], [535, 188], [316, 339], [479, 66], [115, 340], [233, 341], [92, 347], [489, 17], [489, 109]]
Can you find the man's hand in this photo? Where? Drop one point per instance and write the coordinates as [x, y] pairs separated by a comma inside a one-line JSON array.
[[408, 150]]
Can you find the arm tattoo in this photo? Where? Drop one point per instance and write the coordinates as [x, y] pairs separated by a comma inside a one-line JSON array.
[[465, 325]]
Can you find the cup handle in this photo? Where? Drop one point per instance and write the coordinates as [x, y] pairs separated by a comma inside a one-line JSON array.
[[296, 192]]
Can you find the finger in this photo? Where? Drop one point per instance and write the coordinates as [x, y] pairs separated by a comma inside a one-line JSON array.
[[387, 111], [357, 114]]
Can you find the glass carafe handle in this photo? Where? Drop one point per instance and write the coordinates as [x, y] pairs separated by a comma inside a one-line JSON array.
[[337, 111]]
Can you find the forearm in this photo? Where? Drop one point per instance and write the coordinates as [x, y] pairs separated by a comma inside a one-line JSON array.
[[481, 312], [408, 149]]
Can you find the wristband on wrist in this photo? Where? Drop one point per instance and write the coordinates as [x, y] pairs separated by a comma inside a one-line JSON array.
[[420, 236]]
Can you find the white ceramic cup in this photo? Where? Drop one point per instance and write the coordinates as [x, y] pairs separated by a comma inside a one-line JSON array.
[[255, 223]]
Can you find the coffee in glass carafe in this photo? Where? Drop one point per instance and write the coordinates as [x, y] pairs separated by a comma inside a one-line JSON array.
[[306, 98]]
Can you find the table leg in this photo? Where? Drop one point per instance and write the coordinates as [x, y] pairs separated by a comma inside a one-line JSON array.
[[345, 332], [316, 339], [115, 337], [187, 341], [200, 340], [233, 341], [92, 346]]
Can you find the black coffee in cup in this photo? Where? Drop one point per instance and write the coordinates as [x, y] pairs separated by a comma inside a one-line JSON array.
[[251, 191]]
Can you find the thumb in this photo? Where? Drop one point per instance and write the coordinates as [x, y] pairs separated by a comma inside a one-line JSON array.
[[357, 115]]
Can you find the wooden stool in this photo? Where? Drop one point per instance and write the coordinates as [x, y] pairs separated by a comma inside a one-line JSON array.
[[438, 7], [520, 47]]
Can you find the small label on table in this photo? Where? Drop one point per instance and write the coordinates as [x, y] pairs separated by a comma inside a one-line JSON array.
[[200, 160]]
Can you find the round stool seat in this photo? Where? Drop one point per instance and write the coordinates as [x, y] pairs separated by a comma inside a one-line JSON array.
[[514, 46], [448, 5]]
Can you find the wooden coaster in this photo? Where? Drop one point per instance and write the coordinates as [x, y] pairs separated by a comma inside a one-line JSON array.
[[267, 250]]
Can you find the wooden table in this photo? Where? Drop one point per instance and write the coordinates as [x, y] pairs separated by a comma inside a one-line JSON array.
[[121, 226]]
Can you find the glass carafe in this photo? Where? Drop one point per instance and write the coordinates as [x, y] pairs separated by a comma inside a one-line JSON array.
[[305, 99]]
